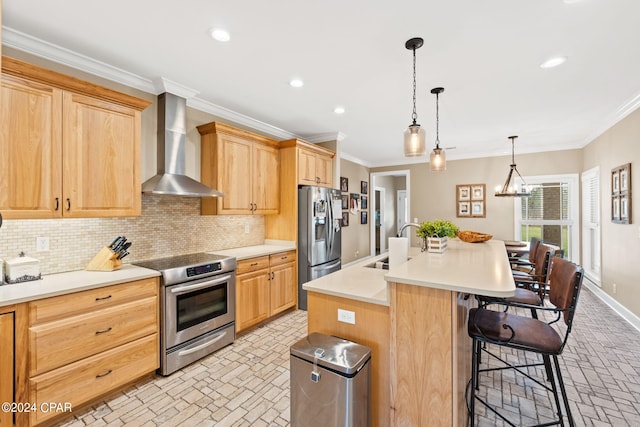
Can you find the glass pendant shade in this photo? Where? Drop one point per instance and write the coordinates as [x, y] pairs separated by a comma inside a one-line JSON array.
[[414, 141], [438, 160]]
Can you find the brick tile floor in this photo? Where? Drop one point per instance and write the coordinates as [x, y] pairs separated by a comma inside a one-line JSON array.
[[247, 383]]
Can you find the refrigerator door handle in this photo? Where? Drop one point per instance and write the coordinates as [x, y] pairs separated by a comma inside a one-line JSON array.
[[328, 266]]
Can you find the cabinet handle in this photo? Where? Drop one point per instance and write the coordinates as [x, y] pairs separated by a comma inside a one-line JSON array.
[[284, 257], [318, 179], [253, 264], [105, 331], [105, 374], [273, 275], [57, 204], [103, 298], [68, 204]]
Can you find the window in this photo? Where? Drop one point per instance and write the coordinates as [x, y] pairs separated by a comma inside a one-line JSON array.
[[551, 213], [591, 224]]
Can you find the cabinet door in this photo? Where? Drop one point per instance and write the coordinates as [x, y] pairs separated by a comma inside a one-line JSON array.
[[266, 179], [6, 366], [234, 167], [252, 299], [283, 287], [101, 176], [30, 149], [324, 170], [306, 167]]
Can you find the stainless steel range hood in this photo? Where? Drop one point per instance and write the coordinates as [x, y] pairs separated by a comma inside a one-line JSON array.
[[172, 131]]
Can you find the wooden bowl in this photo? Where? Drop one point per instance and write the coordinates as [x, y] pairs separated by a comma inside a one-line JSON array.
[[473, 236]]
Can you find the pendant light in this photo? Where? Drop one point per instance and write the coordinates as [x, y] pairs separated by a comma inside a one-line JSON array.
[[509, 189], [438, 158], [414, 139]]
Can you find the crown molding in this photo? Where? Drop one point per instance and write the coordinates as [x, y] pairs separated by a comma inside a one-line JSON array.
[[235, 117], [324, 137], [354, 159], [41, 48], [622, 112], [37, 47]]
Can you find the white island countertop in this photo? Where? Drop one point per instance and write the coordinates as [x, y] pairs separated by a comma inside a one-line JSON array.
[[64, 283], [474, 268]]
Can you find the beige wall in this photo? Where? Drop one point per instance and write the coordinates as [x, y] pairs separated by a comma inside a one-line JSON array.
[[620, 242], [433, 194], [355, 237]]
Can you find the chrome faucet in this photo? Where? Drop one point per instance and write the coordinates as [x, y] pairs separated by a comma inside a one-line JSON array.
[[408, 224]]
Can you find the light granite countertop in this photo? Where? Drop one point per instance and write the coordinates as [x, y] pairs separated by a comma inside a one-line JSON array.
[[73, 281], [269, 247], [475, 268]]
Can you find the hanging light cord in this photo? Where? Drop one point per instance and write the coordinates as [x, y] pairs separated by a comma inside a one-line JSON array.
[[437, 122], [414, 116]]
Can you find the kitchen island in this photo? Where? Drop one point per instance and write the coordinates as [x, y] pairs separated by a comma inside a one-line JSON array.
[[413, 317]]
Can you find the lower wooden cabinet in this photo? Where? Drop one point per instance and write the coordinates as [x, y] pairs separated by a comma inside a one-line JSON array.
[[265, 286], [6, 365], [86, 344]]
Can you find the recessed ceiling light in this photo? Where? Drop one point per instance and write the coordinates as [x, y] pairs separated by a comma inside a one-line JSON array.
[[339, 110], [553, 62], [296, 83], [572, 1], [220, 35]]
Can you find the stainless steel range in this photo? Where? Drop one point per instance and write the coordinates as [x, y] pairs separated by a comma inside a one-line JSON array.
[[197, 307]]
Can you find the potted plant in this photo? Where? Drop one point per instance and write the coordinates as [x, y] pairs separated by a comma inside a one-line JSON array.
[[435, 234]]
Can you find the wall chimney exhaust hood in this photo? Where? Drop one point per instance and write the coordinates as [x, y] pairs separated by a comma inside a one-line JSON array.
[[172, 131]]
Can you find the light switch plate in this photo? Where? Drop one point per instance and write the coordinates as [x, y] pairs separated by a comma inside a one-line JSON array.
[[42, 244], [346, 316]]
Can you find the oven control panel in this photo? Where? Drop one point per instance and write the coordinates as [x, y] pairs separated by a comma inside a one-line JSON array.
[[204, 269]]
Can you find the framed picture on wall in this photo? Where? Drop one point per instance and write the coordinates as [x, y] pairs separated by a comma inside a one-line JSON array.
[[464, 192], [364, 202], [354, 200], [344, 184], [464, 209], [470, 200], [477, 209], [345, 201], [363, 217], [345, 219], [621, 194], [363, 187]]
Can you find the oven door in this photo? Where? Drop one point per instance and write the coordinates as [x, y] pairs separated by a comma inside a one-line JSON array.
[[197, 307]]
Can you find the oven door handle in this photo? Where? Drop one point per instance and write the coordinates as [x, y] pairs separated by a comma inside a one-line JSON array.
[[219, 336], [207, 284]]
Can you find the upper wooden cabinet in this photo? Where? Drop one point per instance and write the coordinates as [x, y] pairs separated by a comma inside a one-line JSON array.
[[315, 167], [244, 166], [67, 147]]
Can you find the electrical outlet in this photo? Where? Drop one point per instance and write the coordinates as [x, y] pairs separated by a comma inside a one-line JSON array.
[[42, 244], [346, 316], [357, 253], [246, 229], [615, 288]]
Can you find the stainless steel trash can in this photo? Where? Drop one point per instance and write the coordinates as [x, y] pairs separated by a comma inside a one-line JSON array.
[[329, 382]]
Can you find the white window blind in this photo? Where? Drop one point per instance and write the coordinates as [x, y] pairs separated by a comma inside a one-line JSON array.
[[591, 224]]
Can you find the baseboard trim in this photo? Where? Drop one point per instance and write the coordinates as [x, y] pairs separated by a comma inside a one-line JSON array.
[[624, 312]]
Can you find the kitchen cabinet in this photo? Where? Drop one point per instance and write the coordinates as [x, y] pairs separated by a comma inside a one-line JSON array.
[[243, 166], [297, 160], [86, 344], [68, 148], [12, 366], [265, 286], [314, 167]]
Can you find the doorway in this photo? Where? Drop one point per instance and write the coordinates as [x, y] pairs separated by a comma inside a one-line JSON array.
[[390, 190]]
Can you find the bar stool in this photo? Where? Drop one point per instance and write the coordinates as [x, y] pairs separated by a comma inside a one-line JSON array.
[[529, 335]]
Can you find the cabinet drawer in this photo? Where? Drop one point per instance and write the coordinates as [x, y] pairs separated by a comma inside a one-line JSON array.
[[282, 257], [88, 301], [54, 344], [252, 264], [87, 379]]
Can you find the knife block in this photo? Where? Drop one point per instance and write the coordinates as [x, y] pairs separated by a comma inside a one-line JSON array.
[[105, 260]]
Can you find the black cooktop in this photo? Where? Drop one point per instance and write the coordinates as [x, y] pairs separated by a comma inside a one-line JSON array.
[[182, 261]]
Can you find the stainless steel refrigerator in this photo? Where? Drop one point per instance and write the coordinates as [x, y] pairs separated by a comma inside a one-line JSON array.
[[319, 235]]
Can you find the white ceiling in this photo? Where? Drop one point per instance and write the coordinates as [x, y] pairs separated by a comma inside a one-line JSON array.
[[485, 53]]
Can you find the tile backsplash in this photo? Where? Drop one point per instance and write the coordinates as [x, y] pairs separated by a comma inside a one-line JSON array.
[[169, 225]]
